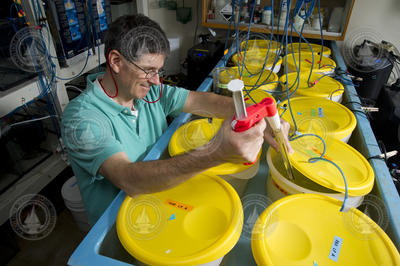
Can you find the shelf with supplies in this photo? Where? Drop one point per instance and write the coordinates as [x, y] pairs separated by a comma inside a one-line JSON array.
[[34, 82], [335, 16], [32, 87]]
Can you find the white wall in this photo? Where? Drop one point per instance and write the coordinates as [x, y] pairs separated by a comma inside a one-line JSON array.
[[176, 30], [382, 16]]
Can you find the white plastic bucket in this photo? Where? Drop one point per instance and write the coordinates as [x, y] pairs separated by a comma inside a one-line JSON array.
[[73, 201], [81, 219], [279, 186], [239, 180], [207, 224]]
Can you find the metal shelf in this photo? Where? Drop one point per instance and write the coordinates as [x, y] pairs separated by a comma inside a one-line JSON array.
[[79, 67], [19, 95], [76, 70], [31, 183]]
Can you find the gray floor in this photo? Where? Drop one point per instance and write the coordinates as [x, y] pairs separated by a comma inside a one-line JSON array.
[[54, 249]]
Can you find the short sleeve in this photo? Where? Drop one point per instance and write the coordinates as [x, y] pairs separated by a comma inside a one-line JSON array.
[[88, 137], [173, 100]]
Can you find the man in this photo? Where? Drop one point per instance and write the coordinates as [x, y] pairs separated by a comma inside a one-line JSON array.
[[111, 126]]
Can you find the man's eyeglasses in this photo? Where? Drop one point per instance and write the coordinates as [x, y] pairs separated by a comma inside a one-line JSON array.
[[150, 73]]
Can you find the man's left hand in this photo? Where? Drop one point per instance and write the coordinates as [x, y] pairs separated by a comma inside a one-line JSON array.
[[269, 136]]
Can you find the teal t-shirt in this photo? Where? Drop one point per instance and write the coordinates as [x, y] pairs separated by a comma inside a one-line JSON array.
[[94, 127]]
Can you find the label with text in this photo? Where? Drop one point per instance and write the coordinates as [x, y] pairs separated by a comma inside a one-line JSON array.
[[335, 249], [179, 205]]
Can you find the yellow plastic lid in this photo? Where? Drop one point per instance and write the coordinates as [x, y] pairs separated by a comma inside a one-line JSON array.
[[325, 87], [197, 133], [268, 78], [320, 116], [255, 58], [259, 44], [197, 222], [327, 64], [309, 229], [252, 76], [257, 95], [357, 170], [316, 48]]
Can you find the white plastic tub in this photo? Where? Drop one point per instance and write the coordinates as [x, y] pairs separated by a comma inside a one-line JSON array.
[[239, 180], [73, 201], [279, 186]]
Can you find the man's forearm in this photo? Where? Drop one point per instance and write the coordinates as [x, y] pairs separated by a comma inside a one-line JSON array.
[[149, 177], [209, 105], [154, 176]]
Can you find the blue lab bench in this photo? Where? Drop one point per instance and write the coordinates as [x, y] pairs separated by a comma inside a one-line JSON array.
[[102, 247]]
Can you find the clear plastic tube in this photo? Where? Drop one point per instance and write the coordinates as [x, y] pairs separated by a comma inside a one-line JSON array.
[[280, 138]]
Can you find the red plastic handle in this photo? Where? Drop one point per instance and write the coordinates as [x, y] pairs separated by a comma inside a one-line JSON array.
[[255, 113]]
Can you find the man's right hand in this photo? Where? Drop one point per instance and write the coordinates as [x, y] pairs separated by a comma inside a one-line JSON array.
[[238, 147]]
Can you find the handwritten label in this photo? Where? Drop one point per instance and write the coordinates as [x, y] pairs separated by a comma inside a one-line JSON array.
[[335, 249], [179, 205], [320, 112]]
